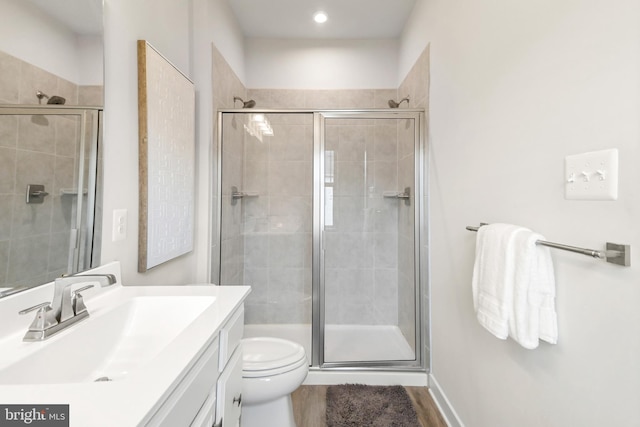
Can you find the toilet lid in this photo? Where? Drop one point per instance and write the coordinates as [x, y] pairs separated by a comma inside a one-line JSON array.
[[266, 353]]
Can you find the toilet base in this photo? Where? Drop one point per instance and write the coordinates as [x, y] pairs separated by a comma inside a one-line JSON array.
[[275, 413]]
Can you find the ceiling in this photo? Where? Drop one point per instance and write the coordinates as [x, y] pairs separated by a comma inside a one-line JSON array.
[[348, 19]]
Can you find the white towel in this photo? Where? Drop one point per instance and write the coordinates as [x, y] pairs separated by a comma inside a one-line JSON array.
[[493, 274], [513, 285], [533, 315]]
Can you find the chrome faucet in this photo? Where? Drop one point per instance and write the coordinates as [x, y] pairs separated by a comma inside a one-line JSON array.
[[66, 308]]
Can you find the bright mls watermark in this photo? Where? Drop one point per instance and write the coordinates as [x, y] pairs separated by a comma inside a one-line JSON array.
[[34, 415]]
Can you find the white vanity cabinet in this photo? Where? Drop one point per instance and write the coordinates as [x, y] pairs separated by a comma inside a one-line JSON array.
[[229, 386], [210, 394]]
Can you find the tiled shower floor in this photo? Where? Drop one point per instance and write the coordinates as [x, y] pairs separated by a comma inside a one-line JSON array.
[[344, 343]]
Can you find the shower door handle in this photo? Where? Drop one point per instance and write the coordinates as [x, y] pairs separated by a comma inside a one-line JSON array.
[[405, 195]]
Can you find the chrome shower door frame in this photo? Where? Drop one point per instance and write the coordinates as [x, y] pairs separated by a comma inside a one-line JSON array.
[[421, 362], [420, 283]]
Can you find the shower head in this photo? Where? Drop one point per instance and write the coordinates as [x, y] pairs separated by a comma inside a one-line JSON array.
[[58, 100], [245, 104], [394, 104]]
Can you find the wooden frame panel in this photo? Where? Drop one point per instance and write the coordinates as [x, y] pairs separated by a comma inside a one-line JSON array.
[[166, 123]]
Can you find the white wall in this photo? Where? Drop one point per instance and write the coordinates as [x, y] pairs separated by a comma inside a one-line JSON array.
[[321, 64], [35, 38], [413, 40], [164, 24], [515, 87], [212, 22], [183, 32], [226, 34], [90, 57]]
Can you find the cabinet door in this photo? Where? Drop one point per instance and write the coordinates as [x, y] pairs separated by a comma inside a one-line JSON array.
[[229, 396]]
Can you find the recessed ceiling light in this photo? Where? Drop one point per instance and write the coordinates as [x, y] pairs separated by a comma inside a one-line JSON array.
[[320, 17]]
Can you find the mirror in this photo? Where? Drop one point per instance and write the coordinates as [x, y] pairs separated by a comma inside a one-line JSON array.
[[51, 97]]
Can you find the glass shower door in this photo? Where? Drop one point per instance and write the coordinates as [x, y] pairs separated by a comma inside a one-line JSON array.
[[266, 219], [369, 213], [48, 193]]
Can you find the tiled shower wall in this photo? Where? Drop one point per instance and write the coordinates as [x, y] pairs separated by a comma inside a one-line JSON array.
[[36, 150], [277, 221], [361, 255], [226, 85], [20, 80], [406, 226], [232, 233], [321, 99], [361, 273]]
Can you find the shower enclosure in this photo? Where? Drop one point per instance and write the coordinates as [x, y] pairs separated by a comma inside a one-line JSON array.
[[49, 158], [319, 211]]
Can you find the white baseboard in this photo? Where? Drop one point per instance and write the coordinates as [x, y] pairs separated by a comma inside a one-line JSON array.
[[443, 403]]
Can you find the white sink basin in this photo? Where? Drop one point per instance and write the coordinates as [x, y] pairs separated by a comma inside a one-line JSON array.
[[108, 346]]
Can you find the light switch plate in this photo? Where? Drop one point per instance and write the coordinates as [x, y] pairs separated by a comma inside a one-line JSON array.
[[592, 176], [119, 231]]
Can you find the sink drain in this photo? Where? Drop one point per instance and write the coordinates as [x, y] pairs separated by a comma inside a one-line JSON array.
[[102, 379]]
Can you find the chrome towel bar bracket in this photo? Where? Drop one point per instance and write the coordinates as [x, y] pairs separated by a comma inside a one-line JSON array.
[[614, 253]]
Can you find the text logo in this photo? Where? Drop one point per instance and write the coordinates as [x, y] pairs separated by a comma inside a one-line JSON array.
[[34, 415]]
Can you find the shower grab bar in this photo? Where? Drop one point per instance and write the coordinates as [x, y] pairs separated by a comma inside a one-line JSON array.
[[242, 194], [615, 253], [237, 194]]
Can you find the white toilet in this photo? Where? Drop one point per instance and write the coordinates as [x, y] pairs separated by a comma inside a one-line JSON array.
[[272, 368]]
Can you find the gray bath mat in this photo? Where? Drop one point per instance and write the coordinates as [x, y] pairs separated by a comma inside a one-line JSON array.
[[355, 405]]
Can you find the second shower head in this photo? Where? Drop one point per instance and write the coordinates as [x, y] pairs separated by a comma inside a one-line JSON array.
[[245, 104], [394, 104]]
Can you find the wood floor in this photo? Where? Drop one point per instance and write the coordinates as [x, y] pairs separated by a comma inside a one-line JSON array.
[[309, 406]]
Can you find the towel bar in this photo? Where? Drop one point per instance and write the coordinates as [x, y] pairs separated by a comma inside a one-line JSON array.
[[614, 253]]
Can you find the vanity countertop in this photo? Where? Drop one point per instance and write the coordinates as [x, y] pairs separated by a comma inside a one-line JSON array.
[[133, 399]]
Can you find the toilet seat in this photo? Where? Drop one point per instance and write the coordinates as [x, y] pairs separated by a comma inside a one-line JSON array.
[[266, 356]]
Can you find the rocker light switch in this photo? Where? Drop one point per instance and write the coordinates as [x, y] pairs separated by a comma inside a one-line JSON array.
[[592, 176]]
